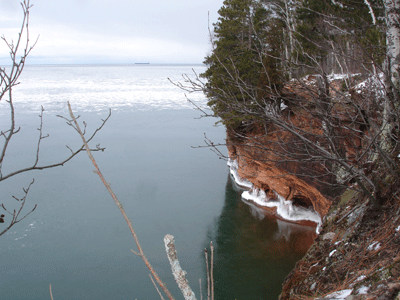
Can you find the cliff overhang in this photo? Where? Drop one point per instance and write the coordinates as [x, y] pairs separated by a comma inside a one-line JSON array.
[[274, 189]]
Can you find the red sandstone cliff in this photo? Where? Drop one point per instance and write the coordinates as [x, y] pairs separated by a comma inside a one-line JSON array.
[[261, 152], [265, 175]]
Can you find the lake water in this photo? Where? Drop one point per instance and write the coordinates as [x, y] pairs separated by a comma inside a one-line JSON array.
[[77, 240]]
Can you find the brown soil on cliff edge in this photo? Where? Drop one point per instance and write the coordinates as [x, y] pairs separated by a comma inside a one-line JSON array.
[[358, 250]]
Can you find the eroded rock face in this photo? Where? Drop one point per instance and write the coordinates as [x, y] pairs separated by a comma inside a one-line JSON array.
[[265, 175]]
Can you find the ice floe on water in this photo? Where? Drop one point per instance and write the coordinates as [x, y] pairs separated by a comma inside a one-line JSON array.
[[98, 88], [284, 208], [20, 235]]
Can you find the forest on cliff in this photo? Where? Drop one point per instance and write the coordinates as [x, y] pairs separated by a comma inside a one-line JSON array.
[[313, 84]]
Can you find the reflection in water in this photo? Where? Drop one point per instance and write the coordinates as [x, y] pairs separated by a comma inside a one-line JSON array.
[[254, 252]]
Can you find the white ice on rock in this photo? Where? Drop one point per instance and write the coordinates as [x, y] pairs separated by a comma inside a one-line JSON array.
[[233, 165], [284, 208]]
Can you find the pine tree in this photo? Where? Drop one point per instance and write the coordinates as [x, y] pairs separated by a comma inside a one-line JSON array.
[[246, 47], [235, 58]]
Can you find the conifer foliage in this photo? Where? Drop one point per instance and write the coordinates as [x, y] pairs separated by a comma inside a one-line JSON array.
[[238, 44]]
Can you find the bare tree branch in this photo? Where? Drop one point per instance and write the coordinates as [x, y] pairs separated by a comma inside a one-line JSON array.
[[9, 76], [15, 214]]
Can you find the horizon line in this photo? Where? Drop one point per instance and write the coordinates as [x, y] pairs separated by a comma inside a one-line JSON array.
[[106, 64]]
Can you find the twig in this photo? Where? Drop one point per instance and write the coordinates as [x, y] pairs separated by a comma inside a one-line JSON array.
[[201, 292], [72, 155], [118, 203], [158, 291], [15, 214], [208, 275], [212, 270], [51, 294]]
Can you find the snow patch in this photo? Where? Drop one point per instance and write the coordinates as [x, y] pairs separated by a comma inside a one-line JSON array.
[[332, 252], [360, 278], [337, 3], [374, 246], [284, 208], [339, 294], [372, 83], [363, 290], [340, 76]]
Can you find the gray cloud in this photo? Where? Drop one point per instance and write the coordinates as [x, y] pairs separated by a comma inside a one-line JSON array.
[[178, 27], [113, 31]]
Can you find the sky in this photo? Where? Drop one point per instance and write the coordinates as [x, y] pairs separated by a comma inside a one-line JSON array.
[[112, 31]]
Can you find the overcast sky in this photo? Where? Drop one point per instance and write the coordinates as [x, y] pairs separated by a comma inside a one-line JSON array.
[[113, 31]]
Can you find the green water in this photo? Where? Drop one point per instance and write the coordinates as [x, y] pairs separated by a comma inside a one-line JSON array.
[[77, 241], [253, 253]]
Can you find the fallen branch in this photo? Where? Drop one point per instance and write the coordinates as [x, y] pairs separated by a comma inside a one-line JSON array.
[[179, 274]]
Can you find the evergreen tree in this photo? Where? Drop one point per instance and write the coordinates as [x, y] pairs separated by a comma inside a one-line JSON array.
[[244, 66], [235, 58]]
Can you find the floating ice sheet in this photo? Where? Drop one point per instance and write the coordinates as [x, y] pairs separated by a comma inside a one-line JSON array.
[[98, 88]]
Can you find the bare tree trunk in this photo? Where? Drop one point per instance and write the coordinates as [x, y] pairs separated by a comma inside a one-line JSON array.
[[392, 80], [392, 10]]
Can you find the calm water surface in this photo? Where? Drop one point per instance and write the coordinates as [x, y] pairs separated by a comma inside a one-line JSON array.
[[77, 241]]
